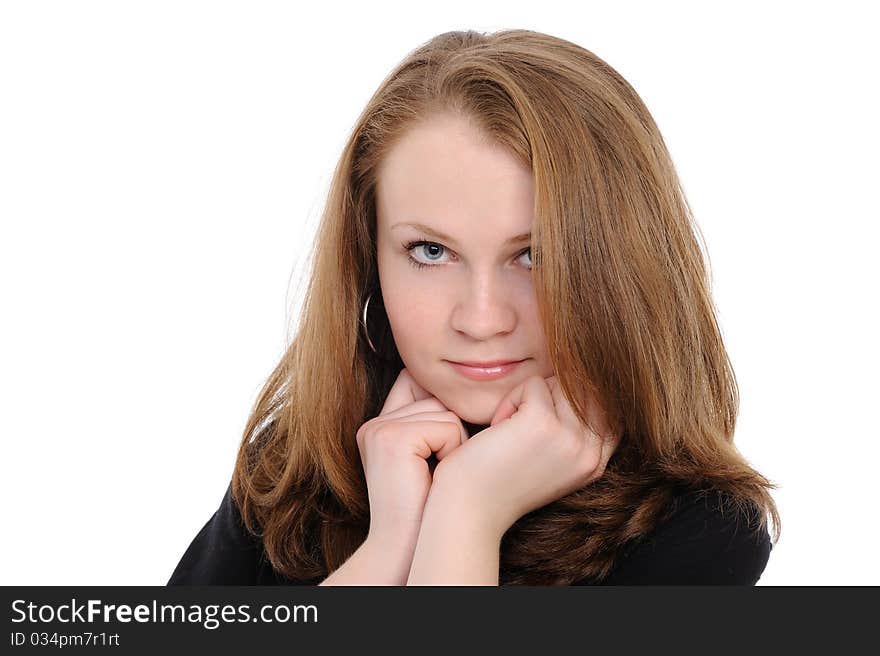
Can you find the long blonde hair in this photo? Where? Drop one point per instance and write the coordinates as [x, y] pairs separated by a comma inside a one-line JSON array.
[[623, 293]]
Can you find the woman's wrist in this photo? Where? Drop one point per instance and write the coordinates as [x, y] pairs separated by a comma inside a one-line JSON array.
[[458, 544], [380, 560], [392, 552], [400, 543], [450, 497]]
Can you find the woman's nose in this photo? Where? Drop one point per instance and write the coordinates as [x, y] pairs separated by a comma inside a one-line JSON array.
[[485, 307]]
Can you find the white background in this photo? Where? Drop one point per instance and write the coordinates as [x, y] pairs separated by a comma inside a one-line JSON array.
[[162, 169]]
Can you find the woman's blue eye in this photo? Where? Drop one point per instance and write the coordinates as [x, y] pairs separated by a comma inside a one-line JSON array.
[[431, 249], [420, 244]]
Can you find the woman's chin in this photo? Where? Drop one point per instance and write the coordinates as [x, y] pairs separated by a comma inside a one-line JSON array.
[[474, 416]]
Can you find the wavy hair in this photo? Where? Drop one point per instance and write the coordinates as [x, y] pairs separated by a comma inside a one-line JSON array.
[[623, 293]]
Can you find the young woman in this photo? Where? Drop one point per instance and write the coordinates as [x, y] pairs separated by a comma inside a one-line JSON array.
[[508, 368]]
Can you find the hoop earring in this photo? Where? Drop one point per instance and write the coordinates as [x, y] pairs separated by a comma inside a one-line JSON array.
[[364, 323]]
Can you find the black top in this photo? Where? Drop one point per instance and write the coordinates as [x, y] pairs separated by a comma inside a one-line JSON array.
[[700, 544]]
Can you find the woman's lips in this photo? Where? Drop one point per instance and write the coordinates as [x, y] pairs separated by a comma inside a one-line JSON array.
[[485, 373]]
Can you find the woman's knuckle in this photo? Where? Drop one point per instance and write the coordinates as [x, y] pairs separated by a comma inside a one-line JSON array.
[[386, 436]]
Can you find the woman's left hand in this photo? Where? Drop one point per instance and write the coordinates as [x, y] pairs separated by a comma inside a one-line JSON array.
[[535, 451]]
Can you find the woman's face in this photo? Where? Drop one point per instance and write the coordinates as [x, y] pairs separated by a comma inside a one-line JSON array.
[[473, 299]]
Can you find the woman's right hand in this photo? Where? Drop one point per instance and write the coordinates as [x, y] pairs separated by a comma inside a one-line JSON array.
[[395, 447]]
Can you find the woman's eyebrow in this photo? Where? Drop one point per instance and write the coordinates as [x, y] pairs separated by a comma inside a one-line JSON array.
[[518, 239]]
